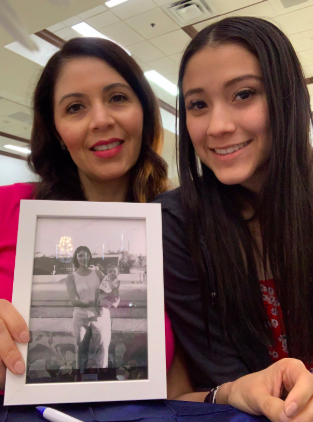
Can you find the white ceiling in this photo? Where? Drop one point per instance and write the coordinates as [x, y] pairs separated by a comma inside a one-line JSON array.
[[157, 46]]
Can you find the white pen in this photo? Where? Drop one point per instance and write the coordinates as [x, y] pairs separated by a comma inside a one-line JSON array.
[[54, 415]]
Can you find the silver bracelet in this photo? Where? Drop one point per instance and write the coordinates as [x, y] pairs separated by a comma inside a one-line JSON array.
[[211, 396]]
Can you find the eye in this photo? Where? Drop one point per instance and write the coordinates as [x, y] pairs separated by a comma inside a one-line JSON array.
[[245, 94], [118, 98], [196, 105], [74, 108]]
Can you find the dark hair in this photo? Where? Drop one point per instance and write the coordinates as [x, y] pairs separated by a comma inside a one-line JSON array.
[[112, 266], [284, 209], [81, 248], [58, 172]]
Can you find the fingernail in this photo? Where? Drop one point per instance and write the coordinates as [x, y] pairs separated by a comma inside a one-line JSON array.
[[19, 368], [283, 417], [24, 336], [291, 409]]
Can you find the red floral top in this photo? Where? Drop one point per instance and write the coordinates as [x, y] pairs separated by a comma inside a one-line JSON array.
[[279, 349]]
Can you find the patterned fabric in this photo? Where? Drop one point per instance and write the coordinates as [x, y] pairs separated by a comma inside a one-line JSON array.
[[279, 349], [144, 411]]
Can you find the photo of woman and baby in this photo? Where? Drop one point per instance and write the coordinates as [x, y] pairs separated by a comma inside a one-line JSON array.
[[89, 303]]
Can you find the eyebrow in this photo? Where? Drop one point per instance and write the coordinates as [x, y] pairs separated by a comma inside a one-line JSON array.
[[105, 89], [226, 85]]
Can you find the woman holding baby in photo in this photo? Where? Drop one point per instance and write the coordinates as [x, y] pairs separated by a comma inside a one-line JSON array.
[[92, 295]]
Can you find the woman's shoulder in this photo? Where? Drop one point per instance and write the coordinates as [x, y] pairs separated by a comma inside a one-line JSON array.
[[17, 191], [10, 197], [171, 202]]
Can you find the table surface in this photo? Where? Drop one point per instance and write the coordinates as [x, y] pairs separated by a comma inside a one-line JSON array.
[[150, 411]]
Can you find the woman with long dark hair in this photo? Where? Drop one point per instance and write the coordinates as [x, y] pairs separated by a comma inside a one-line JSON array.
[[96, 136], [238, 249]]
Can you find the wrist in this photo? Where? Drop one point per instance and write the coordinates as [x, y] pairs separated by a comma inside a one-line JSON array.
[[223, 393]]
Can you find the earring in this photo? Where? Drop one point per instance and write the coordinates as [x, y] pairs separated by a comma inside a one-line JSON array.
[[63, 147]]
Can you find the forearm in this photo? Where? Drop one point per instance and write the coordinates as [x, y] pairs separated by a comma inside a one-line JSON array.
[[221, 396]]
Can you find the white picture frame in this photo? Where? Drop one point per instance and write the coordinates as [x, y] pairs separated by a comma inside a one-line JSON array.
[[17, 390]]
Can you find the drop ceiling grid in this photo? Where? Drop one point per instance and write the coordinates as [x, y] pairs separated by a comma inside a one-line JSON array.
[[160, 48], [296, 22], [130, 25], [261, 10]]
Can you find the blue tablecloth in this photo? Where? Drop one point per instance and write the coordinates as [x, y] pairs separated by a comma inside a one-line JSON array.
[[150, 411]]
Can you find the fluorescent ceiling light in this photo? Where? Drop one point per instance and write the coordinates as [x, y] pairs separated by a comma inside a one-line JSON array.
[[164, 83], [112, 3], [18, 149], [88, 31]]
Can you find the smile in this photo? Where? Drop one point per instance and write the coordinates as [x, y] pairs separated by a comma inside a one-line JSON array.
[[107, 147], [230, 150]]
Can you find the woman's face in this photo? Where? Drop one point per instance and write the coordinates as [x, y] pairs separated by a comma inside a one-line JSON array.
[[83, 258], [227, 114], [99, 118]]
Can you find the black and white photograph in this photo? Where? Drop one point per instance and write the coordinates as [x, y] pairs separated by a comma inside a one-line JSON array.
[[88, 281], [88, 314]]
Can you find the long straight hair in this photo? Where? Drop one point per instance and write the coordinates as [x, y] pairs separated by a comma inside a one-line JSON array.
[[57, 170], [284, 208]]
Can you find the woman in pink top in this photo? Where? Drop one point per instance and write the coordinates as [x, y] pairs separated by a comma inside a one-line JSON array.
[[96, 137]]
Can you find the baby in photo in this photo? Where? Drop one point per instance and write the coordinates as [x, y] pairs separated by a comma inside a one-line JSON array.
[[108, 293]]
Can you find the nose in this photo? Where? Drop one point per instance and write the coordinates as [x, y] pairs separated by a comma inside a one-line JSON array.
[[101, 117], [221, 121]]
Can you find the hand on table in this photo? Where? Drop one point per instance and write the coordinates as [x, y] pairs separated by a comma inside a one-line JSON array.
[[12, 327], [259, 393]]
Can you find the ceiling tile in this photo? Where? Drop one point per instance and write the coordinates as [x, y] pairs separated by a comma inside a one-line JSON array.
[[144, 66], [176, 57], [122, 33], [227, 6], [302, 40], [164, 66], [56, 27], [298, 21], [204, 24], [304, 62], [145, 51], [261, 10], [102, 20], [161, 2], [67, 33], [72, 21], [173, 78], [142, 23], [310, 88], [307, 55], [308, 73], [92, 12], [171, 43], [129, 9], [280, 9]]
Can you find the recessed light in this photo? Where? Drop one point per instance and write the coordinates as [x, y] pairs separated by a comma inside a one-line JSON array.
[[18, 149], [112, 3], [164, 83], [88, 31]]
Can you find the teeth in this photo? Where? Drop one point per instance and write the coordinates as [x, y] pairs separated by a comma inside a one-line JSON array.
[[231, 149], [108, 146]]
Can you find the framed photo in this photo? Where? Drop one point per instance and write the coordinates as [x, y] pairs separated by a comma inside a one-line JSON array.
[[89, 282]]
